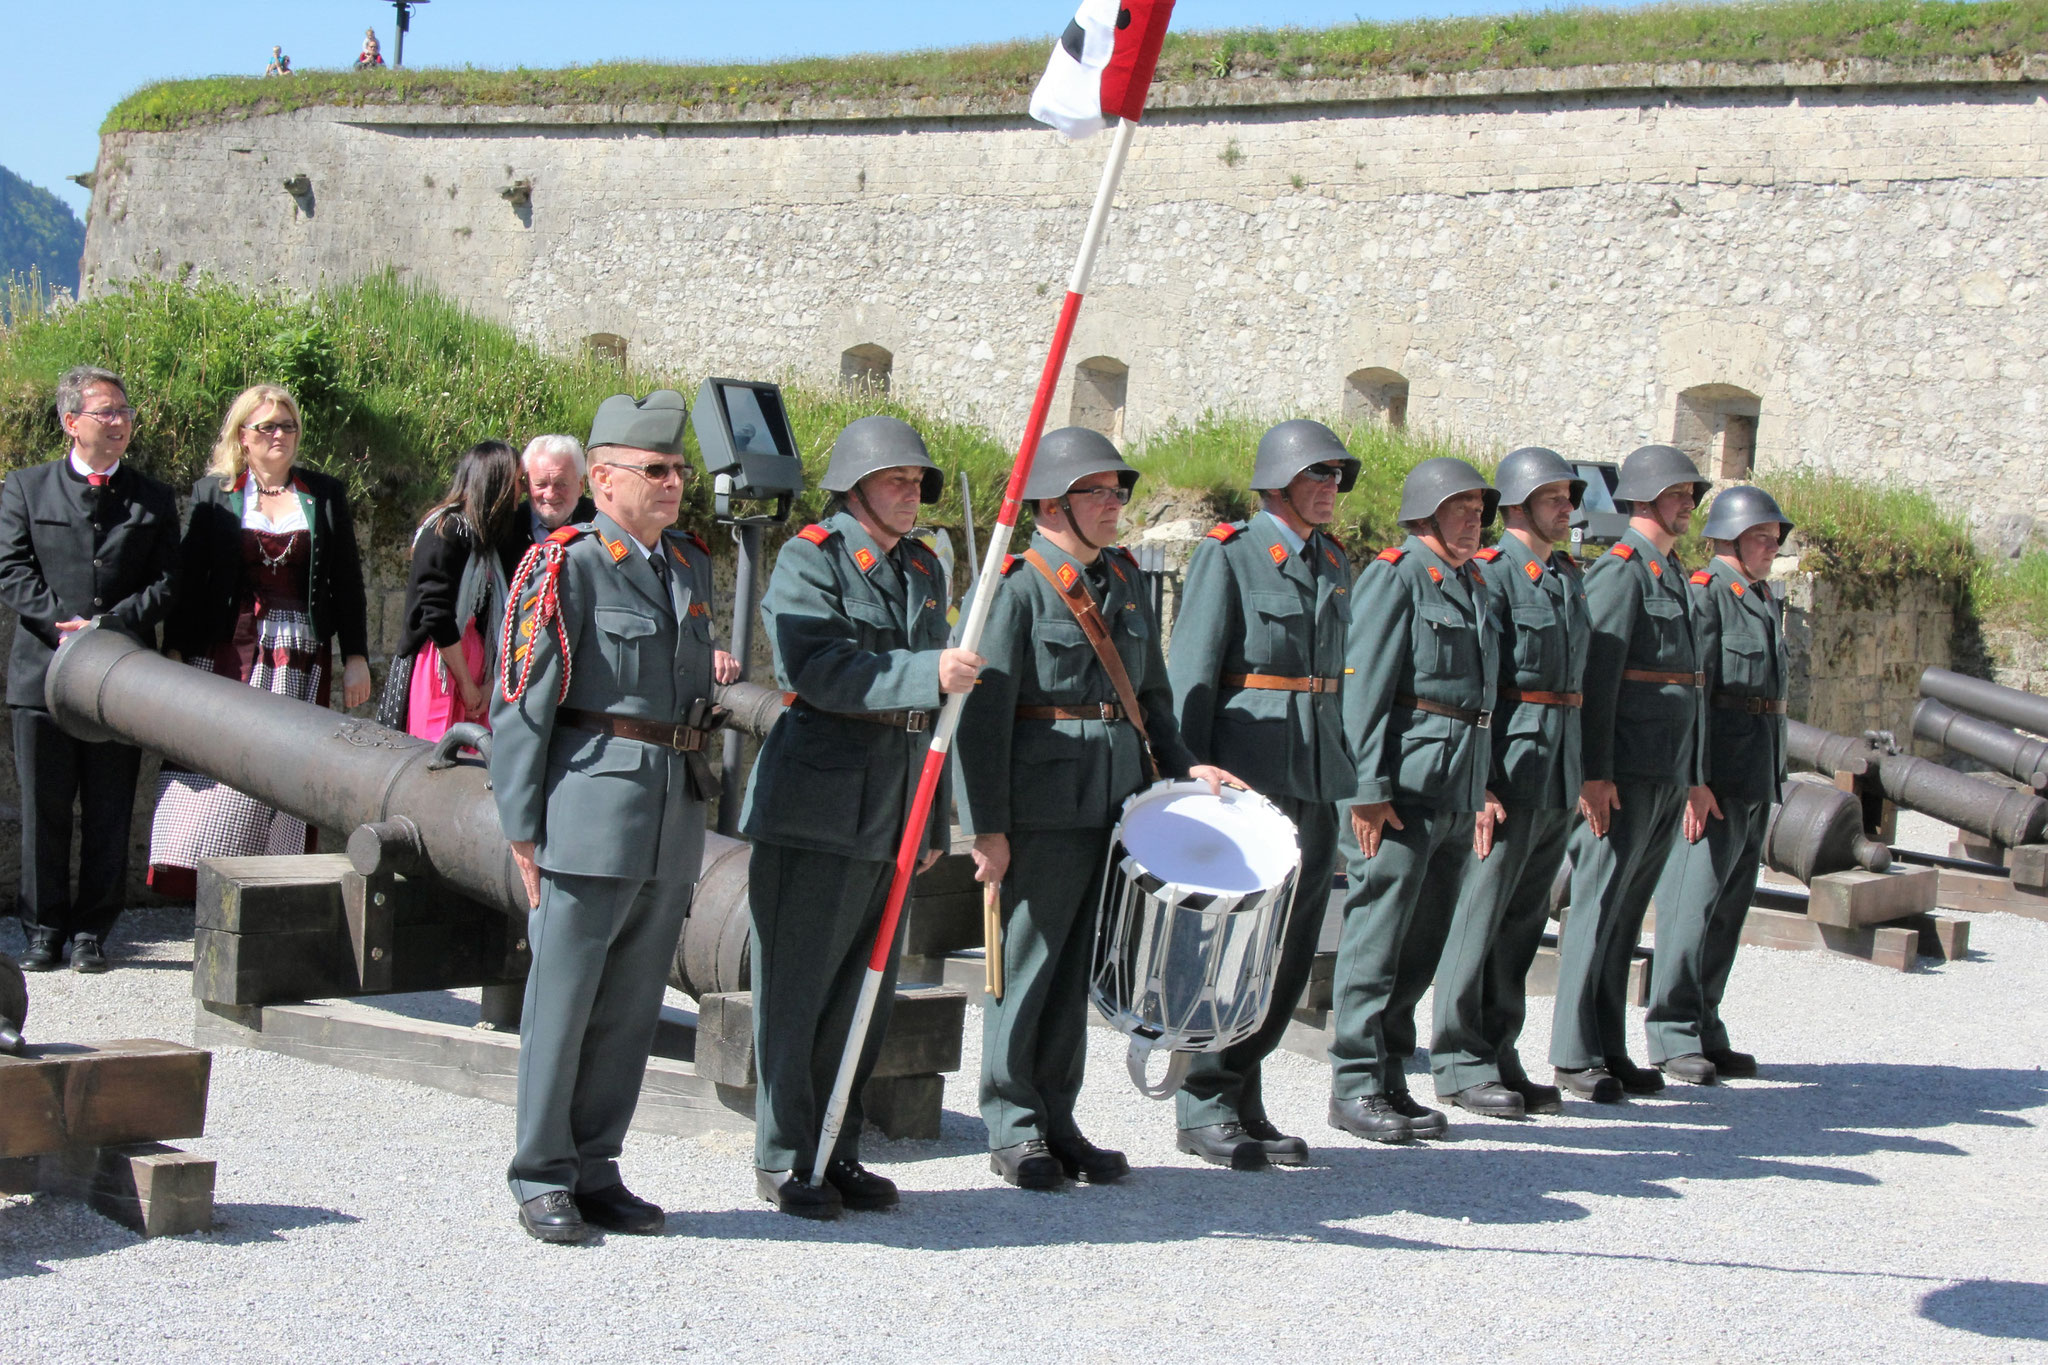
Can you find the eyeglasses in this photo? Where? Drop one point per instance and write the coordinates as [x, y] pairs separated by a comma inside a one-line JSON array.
[[109, 416], [659, 471], [1116, 491], [1323, 473], [273, 430]]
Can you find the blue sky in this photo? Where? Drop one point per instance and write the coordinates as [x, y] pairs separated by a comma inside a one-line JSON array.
[[72, 64]]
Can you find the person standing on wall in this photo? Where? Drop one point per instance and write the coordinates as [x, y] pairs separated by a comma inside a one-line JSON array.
[[1257, 662], [86, 538]]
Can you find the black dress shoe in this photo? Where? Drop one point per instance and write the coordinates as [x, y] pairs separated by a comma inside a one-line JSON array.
[[1224, 1144], [1690, 1067], [1423, 1121], [860, 1189], [1636, 1080], [553, 1217], [1733, 1065], [1029, 1165], [1536, 1099], [86, 956], [1489, 1098], [1281, 1149], [1590, 1083], [617, 1209], [793, 1193], [1370, 1116], [1082, 1160], [45, 951]]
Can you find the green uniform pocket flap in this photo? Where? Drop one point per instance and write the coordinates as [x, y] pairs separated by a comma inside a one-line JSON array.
[[1060, 634], [626, 625], [1441, 614], [1663, 607], [1537, 617], [1276, 604], [874, 614]]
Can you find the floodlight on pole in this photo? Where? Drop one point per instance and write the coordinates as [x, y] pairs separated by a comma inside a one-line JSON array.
[[404, 8]]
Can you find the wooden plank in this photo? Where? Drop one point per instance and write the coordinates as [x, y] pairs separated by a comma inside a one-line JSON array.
[[271, 895], [2029, 864], [101, 1094], [1982, 893], [1854, 898], [1940, 937], [1885, 945], [150, 1188], [923, 1037]]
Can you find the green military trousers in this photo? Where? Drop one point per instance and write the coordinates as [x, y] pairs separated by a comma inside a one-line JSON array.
[[1223, 1087], [1481, 983], [1034, 1044], [1395, 918], [1612, 879], [601, 953], [815, 916], [1702, 899]]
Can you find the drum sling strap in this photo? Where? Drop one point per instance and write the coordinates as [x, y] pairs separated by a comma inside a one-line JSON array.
[[1097, 630]]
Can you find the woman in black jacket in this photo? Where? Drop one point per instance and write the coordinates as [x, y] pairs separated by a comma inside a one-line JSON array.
[[455, 596]]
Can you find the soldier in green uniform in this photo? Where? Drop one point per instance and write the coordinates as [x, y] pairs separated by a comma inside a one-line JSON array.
[[1710, 876], [1644, 726], [599, 730], [1047, 754], [856, 615], [1257, 662], [1418, 699], [1539, 612]]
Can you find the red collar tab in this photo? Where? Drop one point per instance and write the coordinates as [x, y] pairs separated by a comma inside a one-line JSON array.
[[1488, 555], [616, 547], [1224, 531], [1534, 570], [865, 558], [1391, 555], [1067, 576], [1331, 555], [1656, 569], [1701, 576], [1622, 550], [1436, 575], [1278, 551], [815, 534]]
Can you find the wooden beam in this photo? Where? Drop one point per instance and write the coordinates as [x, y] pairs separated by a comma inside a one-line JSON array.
[[1851, 899], [1886, 945], [1981, 893], [67, 1095]]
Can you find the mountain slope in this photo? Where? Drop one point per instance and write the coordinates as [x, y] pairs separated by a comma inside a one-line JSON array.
[[38, 231]]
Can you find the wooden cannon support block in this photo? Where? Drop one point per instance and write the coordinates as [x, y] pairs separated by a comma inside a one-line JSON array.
[[1983, 893], [89, 1121], [1887, 945], [1852, 899]]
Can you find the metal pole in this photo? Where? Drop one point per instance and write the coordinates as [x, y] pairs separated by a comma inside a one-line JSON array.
[[967, 527], [744, 607]]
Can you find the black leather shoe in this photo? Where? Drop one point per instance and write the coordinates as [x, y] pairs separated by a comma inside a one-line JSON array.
[[1423, 1121], [1281, 1149], [617, 1209], [1370, 1116], [1029, 1165], [860, 1189], [1536, 1099], [1636, 1080], [1082, 1160], [1489, 1098], [1691, 1067], [793, 1193], [1224, 1144], [1590, 1083], [1733, 1065], [553, 1217], [45, 951], [86, 956]]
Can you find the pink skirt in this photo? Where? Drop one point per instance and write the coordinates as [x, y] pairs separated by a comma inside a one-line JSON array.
[[435, 703]]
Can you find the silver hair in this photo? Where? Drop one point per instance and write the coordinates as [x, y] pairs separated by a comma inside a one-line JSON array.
[[71, 388], [563, 446]]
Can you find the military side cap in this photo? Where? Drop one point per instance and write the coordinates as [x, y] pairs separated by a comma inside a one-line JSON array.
[[653, 423]]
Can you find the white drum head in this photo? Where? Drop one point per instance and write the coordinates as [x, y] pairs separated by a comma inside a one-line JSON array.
[[1231, 845]]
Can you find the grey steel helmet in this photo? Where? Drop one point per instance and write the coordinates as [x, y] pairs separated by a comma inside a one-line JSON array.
[[1293, 446], [873, 443], [1524, 471], [1069, 455], [1737, 509], [1438, 478], [1649, 470]]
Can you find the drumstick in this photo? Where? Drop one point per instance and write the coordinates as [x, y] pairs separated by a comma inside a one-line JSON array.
[[992, 937]]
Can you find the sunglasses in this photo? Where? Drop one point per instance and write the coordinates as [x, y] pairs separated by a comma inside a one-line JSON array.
[[1323, 473], [276, 428], [657, 471]]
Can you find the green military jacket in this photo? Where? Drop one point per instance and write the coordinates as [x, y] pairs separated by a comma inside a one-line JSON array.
[[1539, 612], [1743, 643], [1642, 619], [595, 804], [1420, 629], [853, 630], [1250, 605], [1018, 774]]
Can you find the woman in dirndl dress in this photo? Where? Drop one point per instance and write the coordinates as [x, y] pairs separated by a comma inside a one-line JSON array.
[[455, 596], [270, 576]]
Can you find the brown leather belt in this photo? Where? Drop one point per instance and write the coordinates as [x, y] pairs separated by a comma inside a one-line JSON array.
[[1755, 706], [915, 722], [1651, 675], [1105, 710], [1479, 719], [1544, 698], [1274, 682], [683, 739]]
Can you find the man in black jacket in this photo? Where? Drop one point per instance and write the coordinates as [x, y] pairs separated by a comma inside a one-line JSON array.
[[555, 467], [84, 538]]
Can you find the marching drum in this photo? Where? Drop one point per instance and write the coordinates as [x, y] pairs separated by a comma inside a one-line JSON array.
[[1193, 908]]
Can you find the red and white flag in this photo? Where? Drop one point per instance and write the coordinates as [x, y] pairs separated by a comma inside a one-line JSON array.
[[1102, 66]]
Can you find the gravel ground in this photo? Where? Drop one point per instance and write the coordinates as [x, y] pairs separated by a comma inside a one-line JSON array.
[[1879, 1190]]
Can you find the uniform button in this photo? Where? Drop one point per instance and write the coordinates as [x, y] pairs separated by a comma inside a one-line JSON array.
[[95, 563], [97, 602]]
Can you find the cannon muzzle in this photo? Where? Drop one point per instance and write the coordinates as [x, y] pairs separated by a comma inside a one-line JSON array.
[[2007, 705], [2016, 755]]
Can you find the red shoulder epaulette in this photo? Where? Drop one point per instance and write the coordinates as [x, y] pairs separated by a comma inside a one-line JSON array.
[[1010, 562], [1622, 550], [697, 541], [815, 534], [562, 535], [1701, 576], [1391, 555], [1488, 555], [1225, 532]]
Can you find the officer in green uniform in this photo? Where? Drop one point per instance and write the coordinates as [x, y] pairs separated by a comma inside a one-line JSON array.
[[599, 730], [856, 615], [1710, 877], [1257, 662], [1047, 755], [1418, 696], [1539, 612], [1644, 726]]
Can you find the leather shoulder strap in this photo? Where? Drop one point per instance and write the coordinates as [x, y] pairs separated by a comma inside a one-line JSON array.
[[1075, 595]]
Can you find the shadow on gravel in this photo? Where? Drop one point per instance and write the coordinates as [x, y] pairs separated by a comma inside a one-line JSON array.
[[47, 1228], [1991, 1308]]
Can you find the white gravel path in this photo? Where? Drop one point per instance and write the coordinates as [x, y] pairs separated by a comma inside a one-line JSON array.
[[1878, 1194]]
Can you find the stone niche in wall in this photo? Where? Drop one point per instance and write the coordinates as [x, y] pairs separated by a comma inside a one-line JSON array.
[[1716, 425], [1101, 392], [1376, 395]]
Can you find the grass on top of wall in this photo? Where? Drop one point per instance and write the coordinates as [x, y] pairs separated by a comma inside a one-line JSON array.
[[1789, 30]]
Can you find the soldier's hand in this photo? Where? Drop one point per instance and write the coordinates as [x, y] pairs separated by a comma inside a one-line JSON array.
[[75, 623], [1369, 823], [958, 668], [1700, 806], [991, 857], [1215, 777], [724, 667], [1485, 823], [529, 871], [926, 859], [1597, 802]]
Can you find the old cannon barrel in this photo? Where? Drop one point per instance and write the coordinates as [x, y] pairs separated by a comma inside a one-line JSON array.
[[2007, 705], [1995, 813], [1826, 752], [1818, 829], [2016, 755]]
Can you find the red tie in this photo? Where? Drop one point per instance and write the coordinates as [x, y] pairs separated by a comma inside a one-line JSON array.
[[99, 480]]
